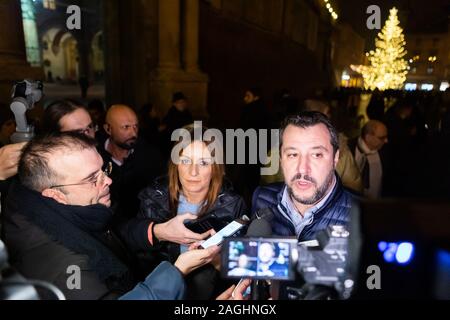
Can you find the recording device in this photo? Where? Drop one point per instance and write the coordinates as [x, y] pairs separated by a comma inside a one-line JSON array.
[[259, 258], [206, 223], [24, 94], [312, 268], [260, 227], [406, 243], [230, 230], [389, 250], [322, 266]]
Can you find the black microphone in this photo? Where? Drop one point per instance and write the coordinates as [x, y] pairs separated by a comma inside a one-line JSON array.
[[264, 213], [260, 226]]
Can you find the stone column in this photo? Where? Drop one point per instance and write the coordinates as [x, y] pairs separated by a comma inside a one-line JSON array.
[[191, 35], [170, 77], [12, 45], [13, 60], [169, 35]]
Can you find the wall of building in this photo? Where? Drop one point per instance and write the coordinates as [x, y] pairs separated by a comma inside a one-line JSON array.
[[422, 47], [271, 44], [131, 49], [348, 49]]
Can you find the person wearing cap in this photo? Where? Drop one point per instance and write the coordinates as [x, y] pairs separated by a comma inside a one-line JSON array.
[[178, 115]]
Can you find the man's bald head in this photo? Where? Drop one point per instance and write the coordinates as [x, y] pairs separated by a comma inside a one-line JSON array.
[[122, 126], [375, 134], [117, 111]]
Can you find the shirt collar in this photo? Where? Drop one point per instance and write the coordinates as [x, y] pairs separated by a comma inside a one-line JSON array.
[[119, 163]]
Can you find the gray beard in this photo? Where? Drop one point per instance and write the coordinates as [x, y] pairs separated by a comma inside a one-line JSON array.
[[318, 195]]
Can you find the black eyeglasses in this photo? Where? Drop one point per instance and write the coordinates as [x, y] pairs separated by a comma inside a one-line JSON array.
[[90, 128], [99, 180]]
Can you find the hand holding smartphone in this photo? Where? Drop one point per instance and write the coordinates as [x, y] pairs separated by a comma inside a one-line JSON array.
[[229, 230]]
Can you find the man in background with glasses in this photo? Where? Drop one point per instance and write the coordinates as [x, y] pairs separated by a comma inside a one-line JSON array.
[[369, 156]]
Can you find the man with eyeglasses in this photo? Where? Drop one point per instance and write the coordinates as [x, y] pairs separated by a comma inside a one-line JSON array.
[[134, 162], [57, 226], [371, 157]]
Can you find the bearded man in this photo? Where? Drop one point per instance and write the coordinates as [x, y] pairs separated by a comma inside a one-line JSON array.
[[312, 196]]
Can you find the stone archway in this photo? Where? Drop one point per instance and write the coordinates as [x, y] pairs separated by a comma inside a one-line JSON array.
[[69, 47], [97, 57], [60, 55]]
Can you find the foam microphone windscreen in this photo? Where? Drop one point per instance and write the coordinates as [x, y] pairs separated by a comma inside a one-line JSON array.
[[259, 228], [264, 213]]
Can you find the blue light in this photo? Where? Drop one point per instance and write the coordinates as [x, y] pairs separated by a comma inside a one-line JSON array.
[[389, 256], [396, 252], [404, 253], [382, 246]]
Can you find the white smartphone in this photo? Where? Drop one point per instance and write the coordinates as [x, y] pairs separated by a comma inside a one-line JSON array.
[[229, 230]]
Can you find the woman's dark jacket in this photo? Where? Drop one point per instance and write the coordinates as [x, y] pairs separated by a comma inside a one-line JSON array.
[[155, 207]]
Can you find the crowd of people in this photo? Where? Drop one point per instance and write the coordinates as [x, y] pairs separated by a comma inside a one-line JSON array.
[[98, 188]]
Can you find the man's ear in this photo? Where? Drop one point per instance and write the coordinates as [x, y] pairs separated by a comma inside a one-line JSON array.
[[54, 194], [107, 128], [336, 158]]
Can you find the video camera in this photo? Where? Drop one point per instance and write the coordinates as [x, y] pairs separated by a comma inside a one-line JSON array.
[[390, 249], [24, 94], [318, 264]]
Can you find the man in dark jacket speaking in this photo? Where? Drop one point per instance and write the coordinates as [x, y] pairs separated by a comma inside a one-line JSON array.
[[57, 226], [312, 197]]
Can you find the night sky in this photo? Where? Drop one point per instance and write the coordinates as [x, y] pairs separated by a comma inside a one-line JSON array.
[[424, 16]]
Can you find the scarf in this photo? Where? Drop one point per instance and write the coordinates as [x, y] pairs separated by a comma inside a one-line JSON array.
[[78, 228], [363, 164]]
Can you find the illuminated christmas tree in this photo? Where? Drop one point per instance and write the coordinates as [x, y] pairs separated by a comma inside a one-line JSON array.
[[387, 69]]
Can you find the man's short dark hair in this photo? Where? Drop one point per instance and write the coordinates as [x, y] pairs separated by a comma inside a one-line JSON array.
[[55, 111], [308, 119], [34, 171], [178, 96]]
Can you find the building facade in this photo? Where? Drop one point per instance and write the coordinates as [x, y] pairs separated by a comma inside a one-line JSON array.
[[429, 61]]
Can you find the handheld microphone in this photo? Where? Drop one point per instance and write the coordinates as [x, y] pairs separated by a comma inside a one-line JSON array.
[[260, 227]]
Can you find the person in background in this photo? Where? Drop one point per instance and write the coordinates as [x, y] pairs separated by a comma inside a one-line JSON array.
[[67, 116], [134, 162], [254, 116], [97, 111], [177, 117], [367, 150], [150, 125]]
